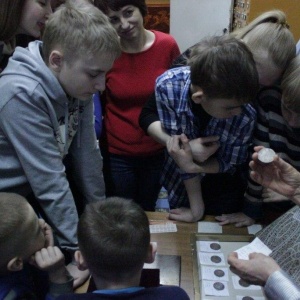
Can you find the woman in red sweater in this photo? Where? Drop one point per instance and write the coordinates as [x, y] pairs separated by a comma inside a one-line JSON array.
[[133, 160]]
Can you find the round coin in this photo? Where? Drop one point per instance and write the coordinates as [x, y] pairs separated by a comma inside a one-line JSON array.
[[243, 283], [219, 273], [216, 259], [219, 286], [215, 246]]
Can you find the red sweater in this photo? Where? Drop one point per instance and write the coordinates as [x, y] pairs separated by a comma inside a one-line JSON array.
[[129, 85]]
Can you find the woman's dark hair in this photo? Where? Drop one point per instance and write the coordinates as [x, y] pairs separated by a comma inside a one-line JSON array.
[[10, 17], [116, 5]]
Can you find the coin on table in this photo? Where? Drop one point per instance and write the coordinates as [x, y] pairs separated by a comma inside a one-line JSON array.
[[243, 283], [219, 286], [247, 298], [215, 246], [219, 273], [216, 259]]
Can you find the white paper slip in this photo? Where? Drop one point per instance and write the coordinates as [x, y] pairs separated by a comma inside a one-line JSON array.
[[240, 284], [250, 297], [208, 246], [254, 228], [255, 246], [296, 215], [212, 259], [215, 288], [214, 273], [165, 227], [209, 227]]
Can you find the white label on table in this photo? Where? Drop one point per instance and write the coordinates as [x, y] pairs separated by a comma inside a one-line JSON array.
[[215, 288], [209, 227], [208, 246], [161, 228], [240, 284], [212, 259], [255, 246], [254, 228], [214, 273]]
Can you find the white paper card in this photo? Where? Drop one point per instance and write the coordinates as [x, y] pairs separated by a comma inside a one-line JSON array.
[[255, 246], [208, 246], [209, 227], [161, 228], [215, 288], [212, 259], [240, 284], [254, 228], [214, 273]]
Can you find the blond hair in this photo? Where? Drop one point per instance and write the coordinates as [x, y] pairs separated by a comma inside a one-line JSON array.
[[269, 33], [13, 213], [291, 85], [78, 28]]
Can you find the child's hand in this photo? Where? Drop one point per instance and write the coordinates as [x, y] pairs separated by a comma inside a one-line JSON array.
[[51, 260], [49, 240]]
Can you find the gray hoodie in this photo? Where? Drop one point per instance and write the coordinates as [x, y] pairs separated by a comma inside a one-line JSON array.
[[39, 125]]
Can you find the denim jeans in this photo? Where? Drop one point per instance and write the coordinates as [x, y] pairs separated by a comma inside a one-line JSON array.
[[134, 177]]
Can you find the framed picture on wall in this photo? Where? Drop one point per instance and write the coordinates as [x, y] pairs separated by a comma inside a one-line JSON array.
[[158, 17]]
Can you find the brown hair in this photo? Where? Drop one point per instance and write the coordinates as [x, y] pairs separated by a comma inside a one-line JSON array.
[[224, 68], [116, 5], [114, 238], [10, 18]]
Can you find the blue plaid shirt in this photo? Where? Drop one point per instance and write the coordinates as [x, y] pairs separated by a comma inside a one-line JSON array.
[[174, 108]]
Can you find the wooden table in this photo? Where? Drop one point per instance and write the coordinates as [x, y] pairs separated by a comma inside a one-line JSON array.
[[179, 243]]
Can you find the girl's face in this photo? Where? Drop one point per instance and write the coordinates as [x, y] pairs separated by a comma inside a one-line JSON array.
[[34, 16], [128, 21], [291, 117]]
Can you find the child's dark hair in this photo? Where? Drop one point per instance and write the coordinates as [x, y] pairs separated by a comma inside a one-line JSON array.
[[114, 238], [224, 68], [116, 5]]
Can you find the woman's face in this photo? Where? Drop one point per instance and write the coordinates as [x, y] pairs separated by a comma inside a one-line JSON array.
[[34, 16], [128, 21]]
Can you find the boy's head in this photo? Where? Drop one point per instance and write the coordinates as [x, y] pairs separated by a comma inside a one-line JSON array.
[[80, 46], [114, 239], [290, 103], [116, 5], [222, 71], [272, 44], [21, 233]]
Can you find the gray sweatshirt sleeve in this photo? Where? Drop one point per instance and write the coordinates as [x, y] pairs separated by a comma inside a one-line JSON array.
[[32, 157], [280, 286], [87, 159]]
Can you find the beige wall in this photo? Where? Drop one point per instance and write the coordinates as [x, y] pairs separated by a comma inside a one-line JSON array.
[[290, 7]]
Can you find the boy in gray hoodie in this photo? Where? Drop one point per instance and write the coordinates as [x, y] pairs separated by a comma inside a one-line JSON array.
[[46, 112]]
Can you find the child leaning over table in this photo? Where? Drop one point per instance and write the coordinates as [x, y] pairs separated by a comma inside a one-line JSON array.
[[207, 104], [24, 240], [114, 243]]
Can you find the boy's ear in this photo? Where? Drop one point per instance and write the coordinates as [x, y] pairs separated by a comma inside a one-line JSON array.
[[151, 253], [55, 60], [81, 264], [15, 264], [198, 96]]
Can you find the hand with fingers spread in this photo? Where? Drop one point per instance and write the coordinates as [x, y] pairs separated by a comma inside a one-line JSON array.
[[239, 219]]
